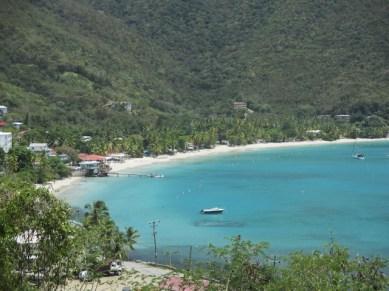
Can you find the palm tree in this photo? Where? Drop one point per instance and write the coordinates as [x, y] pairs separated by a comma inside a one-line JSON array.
[[96, 213], [131, 236]]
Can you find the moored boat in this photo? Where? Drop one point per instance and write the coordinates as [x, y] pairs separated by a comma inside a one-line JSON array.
[[214, 210], [359, 156]]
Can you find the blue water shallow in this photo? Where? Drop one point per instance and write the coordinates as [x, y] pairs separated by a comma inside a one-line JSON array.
[[294, 198]]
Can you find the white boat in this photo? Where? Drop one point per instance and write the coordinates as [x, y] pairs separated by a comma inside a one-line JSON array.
[[214, 210], [359, 156]]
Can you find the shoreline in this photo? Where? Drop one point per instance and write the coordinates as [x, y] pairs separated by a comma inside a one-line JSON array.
[[59, 186]]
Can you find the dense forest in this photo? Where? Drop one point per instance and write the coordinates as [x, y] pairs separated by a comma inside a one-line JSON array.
[[72, 61]]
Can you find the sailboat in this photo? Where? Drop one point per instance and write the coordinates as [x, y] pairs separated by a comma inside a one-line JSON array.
[[357, 155]]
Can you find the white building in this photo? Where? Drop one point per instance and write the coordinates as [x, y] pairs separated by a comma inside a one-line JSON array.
[[5, 141], [313, 131], [86, 138], [17, 124], [3, 110], [39, 147]]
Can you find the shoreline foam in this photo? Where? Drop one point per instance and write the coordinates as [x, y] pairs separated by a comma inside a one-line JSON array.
[[59, 186]]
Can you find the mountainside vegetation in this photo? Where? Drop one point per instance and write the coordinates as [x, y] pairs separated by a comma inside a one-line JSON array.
[[66, 61], [159, 73]]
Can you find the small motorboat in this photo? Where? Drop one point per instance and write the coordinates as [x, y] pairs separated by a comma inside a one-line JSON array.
[[214, 210], [359, 156]]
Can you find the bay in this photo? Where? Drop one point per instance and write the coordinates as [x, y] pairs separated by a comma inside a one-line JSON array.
[[296, 198]]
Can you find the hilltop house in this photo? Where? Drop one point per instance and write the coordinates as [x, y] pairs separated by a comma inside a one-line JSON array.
[[238, 105], [5, 141], [119, 105]]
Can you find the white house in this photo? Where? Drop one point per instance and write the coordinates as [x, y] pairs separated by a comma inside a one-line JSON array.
[[17, 124], [5, 141], [342, 117], [39, 147], [3, 110], [313, 131], [86, 138]]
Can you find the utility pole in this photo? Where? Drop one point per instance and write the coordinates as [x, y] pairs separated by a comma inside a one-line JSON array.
[[190, 258], [154, 226]]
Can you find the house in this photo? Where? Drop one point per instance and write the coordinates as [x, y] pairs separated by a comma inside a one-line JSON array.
[[91, 157], [3, 110], [342, 117], [90, 165], [238, 105], [5, 141], [93, 165], [39, 148], [189, 146], [17, 124], [119, 105], [86, 138], [314, 132], [120, 157]]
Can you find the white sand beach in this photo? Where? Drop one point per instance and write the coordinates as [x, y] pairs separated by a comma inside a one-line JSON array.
[[60, 186]]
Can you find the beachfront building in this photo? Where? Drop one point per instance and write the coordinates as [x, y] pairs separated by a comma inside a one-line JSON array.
[[120, 157], [39, 148], [189, 146], [5, 141], [93, 165], [3, 110], [90, 166], [313, 132]]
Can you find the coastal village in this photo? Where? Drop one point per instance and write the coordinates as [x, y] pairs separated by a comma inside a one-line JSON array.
[[95, 165]]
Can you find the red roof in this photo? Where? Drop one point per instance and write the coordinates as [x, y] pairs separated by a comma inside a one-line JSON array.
[[92, 157], [2, 123]]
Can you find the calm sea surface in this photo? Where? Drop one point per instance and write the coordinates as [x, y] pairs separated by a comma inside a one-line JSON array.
[[294, 198]]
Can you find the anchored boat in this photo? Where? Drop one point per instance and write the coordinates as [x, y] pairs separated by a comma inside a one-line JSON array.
[[214, 210]]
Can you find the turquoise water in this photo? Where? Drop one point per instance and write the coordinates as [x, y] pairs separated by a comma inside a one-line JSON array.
[[294, 198]]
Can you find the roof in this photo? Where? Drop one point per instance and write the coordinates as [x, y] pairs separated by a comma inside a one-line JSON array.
[[91, 157], [2, 123], [89, 163], [27, 237], [5, 133], [38, 144]]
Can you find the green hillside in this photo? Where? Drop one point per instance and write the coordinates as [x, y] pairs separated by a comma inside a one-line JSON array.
[[323, 53], [64, 61]]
